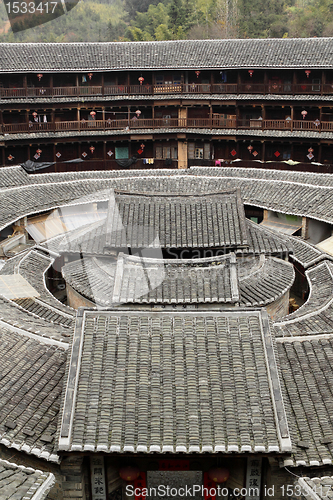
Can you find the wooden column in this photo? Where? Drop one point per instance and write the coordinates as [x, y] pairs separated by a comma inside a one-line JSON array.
[[323, 82], [104, 155], [265, 82], [3, 155], [25, 84], [292, 117], [294, 81], [53, 119], [263, 114], [102, 84], [129, 114], [319, 153], [263, 151], [51, 84]]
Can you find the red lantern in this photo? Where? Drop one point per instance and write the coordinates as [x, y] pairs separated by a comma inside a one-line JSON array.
[[307, 72], [129, 473], [34, 114], [219, 474], [93, 113], [90, 75], [197, 73], [141, 80], [310, 150], [251, 71], [38, 151], [304, 113], [250, 148], [92, 149], [138, 113], [40, 76]]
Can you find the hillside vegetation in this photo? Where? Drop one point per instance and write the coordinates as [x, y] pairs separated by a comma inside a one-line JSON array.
[[121, 20]]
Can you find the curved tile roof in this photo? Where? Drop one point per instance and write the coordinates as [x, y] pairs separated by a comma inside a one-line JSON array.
[[316, 315], [190, 382], [306, 368], [18, 482], [183, 54], [30, 390]]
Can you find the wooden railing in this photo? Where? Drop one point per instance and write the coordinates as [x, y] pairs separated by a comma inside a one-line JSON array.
[[150, 123], [165, 89]]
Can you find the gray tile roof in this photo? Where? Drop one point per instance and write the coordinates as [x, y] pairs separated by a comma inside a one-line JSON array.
[[46, 315], [134, 279], [307, 370], [307, 254], [316, 315], [182, 54], [130, 279], [30, 393], [264, 280], [319, 487], [173, 382], [287, 192], [18, 482], [160, 220]]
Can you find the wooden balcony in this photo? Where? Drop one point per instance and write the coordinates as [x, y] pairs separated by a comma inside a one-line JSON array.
[[172, 89], [158, 123]]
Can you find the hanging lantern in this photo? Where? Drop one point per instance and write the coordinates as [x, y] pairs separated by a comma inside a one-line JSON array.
[[35, 114], [250, 148], [90, 75], [92, 149], [39, 151], [219, 474], [84, 154], [310, 150], [40, 76], [197, 73], [93, 113], [10, 157], [251, 71], [129, 473], [138, 113], [141, 80], [58, 154], [304, 113], [142, 146], [307, 72]]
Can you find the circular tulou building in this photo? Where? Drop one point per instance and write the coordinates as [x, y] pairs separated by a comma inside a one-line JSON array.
[[165, 332]]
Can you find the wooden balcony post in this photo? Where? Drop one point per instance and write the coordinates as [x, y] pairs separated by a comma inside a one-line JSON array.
[[25, 85], [263, 151], [265, 82], [319, 153], [294, 82], [292, 118], [323, 82], [3, 156], [53, 119], [104, 155], [102, 84], [263, 114], [51, 84], [77, 84]]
